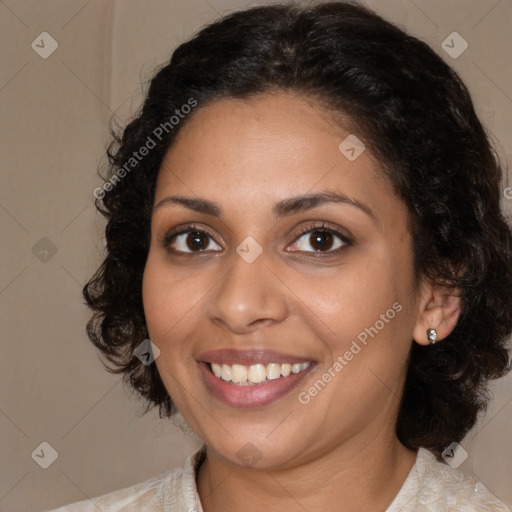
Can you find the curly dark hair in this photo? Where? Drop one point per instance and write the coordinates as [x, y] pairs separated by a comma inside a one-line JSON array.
[[413, 113]]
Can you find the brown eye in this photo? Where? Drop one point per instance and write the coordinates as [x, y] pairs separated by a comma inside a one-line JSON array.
[[196, 241], [189, 241], [319, 239]]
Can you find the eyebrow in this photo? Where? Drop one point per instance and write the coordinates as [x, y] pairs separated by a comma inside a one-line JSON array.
[[281, 209]]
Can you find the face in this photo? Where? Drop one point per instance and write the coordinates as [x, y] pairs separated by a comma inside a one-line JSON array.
[[277, 259]]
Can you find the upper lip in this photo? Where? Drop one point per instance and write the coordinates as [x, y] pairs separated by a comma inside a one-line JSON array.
[[249, 357]]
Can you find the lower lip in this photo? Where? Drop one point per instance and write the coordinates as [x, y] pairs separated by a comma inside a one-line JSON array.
[[255, 395]]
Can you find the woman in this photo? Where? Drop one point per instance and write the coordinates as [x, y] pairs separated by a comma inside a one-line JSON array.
[[304, 220]]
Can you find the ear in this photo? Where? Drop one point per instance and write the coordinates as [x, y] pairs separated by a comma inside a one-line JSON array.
[[439, 308]]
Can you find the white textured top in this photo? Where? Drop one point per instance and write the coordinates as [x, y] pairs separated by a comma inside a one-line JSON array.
[[431, 486]]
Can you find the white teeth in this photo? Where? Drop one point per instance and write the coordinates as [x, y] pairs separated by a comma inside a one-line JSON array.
[[226, 372], [217, 369], [256, 373], [273, 371], [286, 369], [238, 373]]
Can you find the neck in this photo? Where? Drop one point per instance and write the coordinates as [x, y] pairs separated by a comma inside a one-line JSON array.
[[363, 476]]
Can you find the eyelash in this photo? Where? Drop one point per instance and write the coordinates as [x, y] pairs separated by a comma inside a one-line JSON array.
[[322, 227]]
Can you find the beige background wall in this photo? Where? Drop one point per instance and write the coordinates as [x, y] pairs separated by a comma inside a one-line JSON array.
[[54, 117]]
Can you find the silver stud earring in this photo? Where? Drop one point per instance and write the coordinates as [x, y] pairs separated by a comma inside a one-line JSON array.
[[432, 336]]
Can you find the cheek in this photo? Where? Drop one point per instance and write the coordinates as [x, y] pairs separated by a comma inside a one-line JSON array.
[[351, 299], [168, 301], [362, 313], [362, 320], [168, 306]]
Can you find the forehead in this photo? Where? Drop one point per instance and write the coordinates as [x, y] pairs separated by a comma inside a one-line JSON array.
[[267, 148]]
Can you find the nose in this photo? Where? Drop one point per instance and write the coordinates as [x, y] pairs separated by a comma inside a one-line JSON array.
[[249, 296]]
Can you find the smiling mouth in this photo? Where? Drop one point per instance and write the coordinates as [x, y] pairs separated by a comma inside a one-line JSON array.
[[255, 374]]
